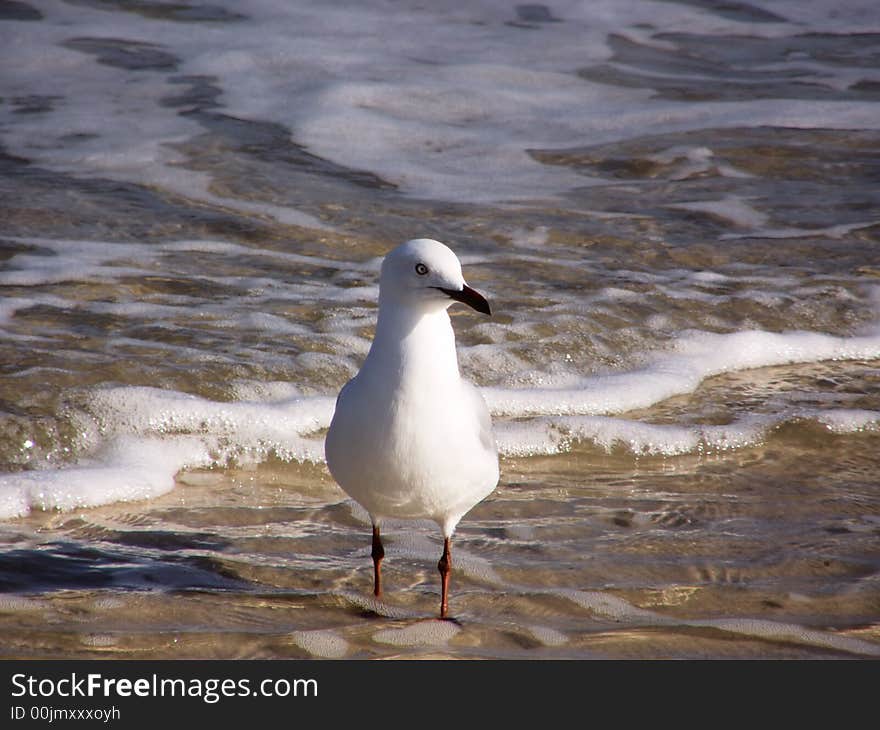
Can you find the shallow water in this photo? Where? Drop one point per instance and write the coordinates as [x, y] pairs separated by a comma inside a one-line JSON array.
[[673, 208]]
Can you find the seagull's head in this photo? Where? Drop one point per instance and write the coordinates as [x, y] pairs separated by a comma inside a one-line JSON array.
[[425, 273]]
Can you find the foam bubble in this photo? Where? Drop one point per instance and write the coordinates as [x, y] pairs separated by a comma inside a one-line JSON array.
[[185, 431], [97, 103], [197, 187], [74, 261], [693, 357], [126, 470], [547, 636], [373, 605], [10, 305], [844, 420], [839, 230], [494, 91], [422, 633], [733, 209], [233, 429], [620, 610], [688, 162], [610, 606], [777, 631], [16, 604], [264, 322], [553, 435], [57, 260], [321, 643], [264, 391], [529, 238]]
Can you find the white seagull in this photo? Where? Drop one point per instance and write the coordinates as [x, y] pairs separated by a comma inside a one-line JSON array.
[[410, 439]]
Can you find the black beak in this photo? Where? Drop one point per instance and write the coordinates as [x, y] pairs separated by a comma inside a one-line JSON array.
[[468, 296]]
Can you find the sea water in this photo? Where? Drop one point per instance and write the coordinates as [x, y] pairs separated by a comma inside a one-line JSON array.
[[673, 208]]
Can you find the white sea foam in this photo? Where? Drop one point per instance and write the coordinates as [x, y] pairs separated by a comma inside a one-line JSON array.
[[14, 604], [196, 186], [839, 230], [547, 636], [248, 430], [125, 470], [322, 643], [139, 438], [61, 261], [413, 96], [365, 602], [10, 305], [617, 609], [778, 631], [692, 161], [423, 633], [733, 209], [551, 435], [694, 357], [846, 420], [106, 121]]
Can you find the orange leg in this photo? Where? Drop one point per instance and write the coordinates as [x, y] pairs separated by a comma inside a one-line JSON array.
[[445, 568], [378, 552]]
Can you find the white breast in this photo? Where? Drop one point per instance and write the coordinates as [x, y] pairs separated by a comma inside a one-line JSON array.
[[410, 438]]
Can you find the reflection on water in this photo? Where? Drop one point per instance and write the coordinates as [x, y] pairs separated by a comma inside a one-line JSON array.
[[770, 552], [683, 357]]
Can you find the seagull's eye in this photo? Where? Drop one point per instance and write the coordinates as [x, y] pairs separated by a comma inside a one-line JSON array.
[[421, 269]]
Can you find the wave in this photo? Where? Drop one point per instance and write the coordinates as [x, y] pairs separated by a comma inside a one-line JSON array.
[[141, 438]]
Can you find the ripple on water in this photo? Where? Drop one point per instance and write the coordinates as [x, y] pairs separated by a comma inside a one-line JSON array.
[[682, 359]]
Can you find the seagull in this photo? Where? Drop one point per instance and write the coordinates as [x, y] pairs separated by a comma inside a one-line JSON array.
[[410, 438]]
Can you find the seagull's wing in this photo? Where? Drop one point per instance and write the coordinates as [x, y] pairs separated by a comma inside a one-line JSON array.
[[484, 420]]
